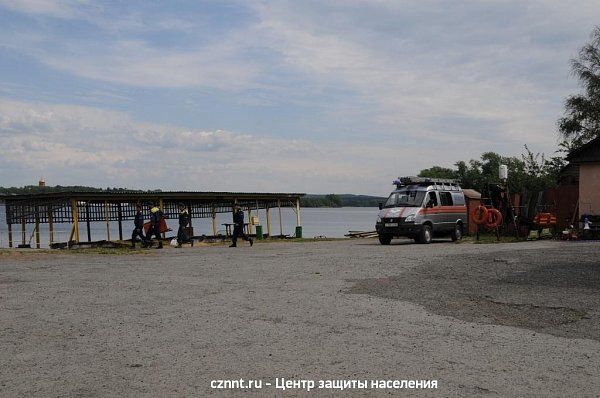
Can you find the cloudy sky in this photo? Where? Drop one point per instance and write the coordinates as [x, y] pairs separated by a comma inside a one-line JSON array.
[[311, 96]]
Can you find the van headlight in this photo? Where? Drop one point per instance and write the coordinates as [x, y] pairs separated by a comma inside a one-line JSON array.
[[410, 218]]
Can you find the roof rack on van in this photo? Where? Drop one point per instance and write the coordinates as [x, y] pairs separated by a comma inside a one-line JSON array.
[[440, 183]]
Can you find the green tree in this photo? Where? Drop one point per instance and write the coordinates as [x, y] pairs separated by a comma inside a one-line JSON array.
[[581, 121], [438, 172]]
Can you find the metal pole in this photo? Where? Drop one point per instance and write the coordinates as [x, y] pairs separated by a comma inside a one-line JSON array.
[[297, 212]]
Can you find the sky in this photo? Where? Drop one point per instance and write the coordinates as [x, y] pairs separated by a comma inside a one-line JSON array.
[[290, 96]]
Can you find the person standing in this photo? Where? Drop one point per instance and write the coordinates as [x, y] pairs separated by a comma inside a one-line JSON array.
[[138, 230], [184, 221], [238, 227], [156, 215]]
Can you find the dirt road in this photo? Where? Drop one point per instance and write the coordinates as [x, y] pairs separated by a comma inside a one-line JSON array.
[[505, 320]]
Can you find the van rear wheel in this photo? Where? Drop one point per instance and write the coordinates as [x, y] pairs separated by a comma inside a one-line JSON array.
[[385, 239], [457, 233], [426, 234]]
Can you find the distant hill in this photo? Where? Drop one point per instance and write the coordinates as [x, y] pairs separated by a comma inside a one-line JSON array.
[[340, 200], [58, 188], [310, 200]]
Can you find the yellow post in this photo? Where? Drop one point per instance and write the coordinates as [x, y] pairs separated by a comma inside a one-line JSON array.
[[268, 221], [214, 220], [50, 225], [37, 227], [106, 216], [250, 225], [280, 219], [23, 237], [75, 213]]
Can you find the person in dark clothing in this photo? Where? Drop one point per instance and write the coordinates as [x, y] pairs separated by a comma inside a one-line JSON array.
[[238, 227], [156, 216], [138, 230], [184, 220]]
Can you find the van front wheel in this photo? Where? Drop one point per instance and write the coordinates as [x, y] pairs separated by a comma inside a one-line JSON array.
[[385, 239], [426, 234], [457, 233]]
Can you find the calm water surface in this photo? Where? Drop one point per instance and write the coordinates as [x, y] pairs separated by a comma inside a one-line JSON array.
[[332, 223]]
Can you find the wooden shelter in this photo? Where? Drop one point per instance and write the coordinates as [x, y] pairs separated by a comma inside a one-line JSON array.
[[84, 207]]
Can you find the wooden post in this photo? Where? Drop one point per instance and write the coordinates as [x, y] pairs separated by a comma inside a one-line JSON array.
[[250, 225], [10, 237], [161, 206], [106, 216], [23, 238], [214, 220], [50, 225], [87, 221], [268, 216], [280, 219], [37, 227], [120, 214], [75, 214]]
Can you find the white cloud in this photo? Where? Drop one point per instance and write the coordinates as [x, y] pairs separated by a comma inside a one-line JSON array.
[[69, 144], [397, 86]]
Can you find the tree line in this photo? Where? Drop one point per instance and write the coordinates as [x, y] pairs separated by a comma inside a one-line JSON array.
[[531, 171]]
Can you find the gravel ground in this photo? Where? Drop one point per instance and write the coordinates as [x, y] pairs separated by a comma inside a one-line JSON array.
[[505, 320]]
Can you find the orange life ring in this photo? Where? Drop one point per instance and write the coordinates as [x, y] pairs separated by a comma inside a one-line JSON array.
[[494, 218], [479, 215]]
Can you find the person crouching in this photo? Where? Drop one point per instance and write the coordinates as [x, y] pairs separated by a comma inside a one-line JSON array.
[[138, 230], [184, 221]]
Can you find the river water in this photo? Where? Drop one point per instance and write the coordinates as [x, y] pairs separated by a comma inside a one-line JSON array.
[[327, 222]]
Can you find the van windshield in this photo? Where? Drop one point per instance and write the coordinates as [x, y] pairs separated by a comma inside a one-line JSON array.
[[405, 198]]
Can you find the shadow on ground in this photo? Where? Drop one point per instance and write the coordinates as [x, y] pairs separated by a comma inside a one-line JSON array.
[[544, 292]]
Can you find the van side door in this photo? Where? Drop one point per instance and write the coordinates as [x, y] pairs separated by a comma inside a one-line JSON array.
[[431, 209], [447, 217]]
